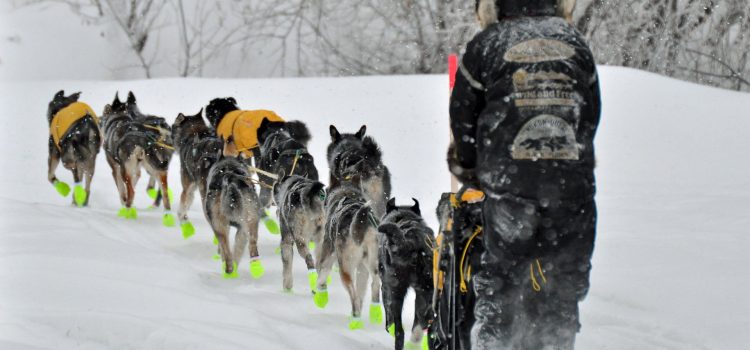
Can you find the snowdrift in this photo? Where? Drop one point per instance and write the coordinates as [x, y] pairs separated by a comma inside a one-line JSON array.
[[668, 268]]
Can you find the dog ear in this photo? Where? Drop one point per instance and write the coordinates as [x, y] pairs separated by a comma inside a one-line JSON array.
[[75, 96], [361, 133], [415, 207], [232, 100], [131, 98], [199, 114], [59, 94], [335, 135], [260, 132], [391, 205]]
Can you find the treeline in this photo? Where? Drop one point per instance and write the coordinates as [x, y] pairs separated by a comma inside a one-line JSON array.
[[704, 41]]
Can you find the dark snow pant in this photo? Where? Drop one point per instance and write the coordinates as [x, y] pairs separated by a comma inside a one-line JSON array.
[[535, 270]]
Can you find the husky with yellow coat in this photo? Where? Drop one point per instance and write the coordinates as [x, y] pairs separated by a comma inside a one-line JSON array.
[[74, 139], [238, 129]]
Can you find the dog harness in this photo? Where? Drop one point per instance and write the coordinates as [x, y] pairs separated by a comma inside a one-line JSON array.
[[243, 126], [66, 117]]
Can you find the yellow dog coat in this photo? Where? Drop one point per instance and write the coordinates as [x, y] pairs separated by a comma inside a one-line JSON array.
[[243, 125], [66, 117]]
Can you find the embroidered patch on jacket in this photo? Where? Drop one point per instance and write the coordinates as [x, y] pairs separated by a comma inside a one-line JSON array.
[[543, 89], [539, 50], [545, 137]]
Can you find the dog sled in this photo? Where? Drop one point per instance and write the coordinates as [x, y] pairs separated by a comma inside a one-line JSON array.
[[457, 258]]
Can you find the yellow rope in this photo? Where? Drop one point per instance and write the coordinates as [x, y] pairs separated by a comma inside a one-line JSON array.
[[534, 283], [164, 145], [294, 165], [463, 287]]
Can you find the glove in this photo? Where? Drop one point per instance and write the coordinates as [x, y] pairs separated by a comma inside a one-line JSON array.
[[467, 176]]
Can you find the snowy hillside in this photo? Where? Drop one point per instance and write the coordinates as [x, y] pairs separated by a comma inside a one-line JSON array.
[[669, 267]]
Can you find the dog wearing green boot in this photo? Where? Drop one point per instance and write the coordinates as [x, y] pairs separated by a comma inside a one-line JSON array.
[[74, 140]]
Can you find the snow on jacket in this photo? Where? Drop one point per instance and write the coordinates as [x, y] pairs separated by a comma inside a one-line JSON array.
[[66, 117], [525, 109], [243, 126]]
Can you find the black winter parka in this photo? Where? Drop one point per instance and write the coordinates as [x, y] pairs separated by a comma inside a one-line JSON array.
[[525, 109]]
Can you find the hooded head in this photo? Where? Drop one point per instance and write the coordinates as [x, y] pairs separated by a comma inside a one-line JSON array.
[[490, 11]]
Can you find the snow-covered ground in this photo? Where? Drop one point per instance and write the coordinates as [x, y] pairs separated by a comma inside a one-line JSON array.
[[669, 267]]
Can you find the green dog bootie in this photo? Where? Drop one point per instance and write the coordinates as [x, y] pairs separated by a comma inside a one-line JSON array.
[[168, 220], [187, 229], [132, 213], [321, 298], [152, 192], [412, 346], [426, 342], [79, 195], [62, 188], [256, 268], [271, 225], [356, 323], [123, 213], [312, 277], [216, 256], [230, 276], [311, 246], [216, 241], [392, 330], [376, 313]]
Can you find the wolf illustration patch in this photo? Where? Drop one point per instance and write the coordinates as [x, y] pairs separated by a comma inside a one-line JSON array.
[[539, 50], [546, 137]]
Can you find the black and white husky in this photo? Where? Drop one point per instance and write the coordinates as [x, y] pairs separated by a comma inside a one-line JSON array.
[[199, 149], [133, 140], [357, 155], [283, 151], [301, 213], [350, 234], [405, 255], [231, 201]]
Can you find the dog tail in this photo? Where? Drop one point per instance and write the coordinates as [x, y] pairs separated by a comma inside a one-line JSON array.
[[364, 220], [317, 192], [298, 131], [231, 196]]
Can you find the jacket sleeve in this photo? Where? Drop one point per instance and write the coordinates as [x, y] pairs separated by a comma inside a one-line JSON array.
[[467, 102]]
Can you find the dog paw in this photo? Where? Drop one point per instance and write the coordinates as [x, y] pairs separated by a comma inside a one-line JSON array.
[[168, 220], [187, 229], [216, 241], [152, 193], [321, 298], [256, 268], [62, 188], [232, 275], [216, 257], [412, 346], [376, 313], [271, 225], [132, 214], [79, 195], [312, 277], [123, 213], [392, 330], [356, 323]]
